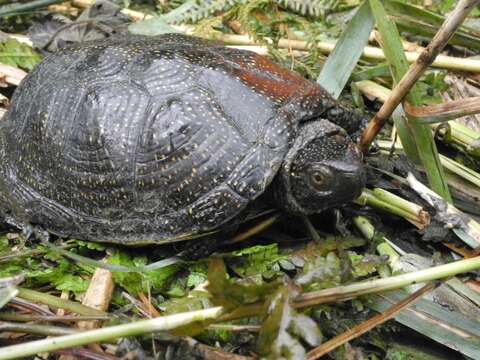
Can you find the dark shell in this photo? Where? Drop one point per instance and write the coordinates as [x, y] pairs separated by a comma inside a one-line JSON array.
[[141, 139]]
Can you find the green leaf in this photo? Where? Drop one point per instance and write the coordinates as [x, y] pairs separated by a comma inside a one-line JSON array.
[[196, 300], [320, 272], [196, 278], [283, 329], [63, 276], [255, 260], [19, 55], [230, 293], [370, 73], [72, 283], [136, 282], [341, 62]]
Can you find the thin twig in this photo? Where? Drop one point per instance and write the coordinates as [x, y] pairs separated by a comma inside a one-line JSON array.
[[362, 328], [23, 304], [50, 318], [427, 56], [46, 330], [258, 228]]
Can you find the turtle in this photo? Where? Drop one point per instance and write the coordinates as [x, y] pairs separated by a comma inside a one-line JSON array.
[[148, 140]]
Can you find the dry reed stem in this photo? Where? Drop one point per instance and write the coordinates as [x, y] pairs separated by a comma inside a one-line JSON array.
[[426, 58], [445, 111]]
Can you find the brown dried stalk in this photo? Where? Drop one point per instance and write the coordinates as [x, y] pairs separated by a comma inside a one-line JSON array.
[[438, 42]]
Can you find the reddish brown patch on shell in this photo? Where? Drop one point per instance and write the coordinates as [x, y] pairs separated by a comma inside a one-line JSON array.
[[273, 80]]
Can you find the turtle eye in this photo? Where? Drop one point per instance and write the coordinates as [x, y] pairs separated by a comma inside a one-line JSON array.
[[320, 178]]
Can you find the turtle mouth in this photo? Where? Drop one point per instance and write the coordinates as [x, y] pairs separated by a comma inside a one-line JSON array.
[[354, 182]]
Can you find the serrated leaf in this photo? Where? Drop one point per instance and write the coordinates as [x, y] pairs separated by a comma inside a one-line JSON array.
[[255, 260]]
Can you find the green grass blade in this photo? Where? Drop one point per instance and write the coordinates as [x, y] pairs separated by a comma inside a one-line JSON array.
[[416, 138], [12, 9], [341, 62], [393, 50], [418, 21]]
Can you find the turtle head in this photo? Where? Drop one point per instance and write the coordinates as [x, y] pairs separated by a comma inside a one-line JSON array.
[[323, 169]]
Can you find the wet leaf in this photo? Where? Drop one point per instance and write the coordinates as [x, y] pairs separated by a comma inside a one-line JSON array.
[[283, 329], [196, 300], [230, 293]]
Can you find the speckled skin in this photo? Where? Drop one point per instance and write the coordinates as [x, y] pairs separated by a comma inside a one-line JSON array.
[[148, 140]]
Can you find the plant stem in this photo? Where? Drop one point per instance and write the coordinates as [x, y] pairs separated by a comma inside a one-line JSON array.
[[369, 52], [393, 204], [46, 330], [56, 302], [447, 213], [11, 9], [459, 134], [5, 316], [254, 230], [347, 292], [411, 77], [108, 333], [368, 325]]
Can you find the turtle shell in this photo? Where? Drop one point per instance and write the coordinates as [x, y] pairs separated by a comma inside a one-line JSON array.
[[147, 139]]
